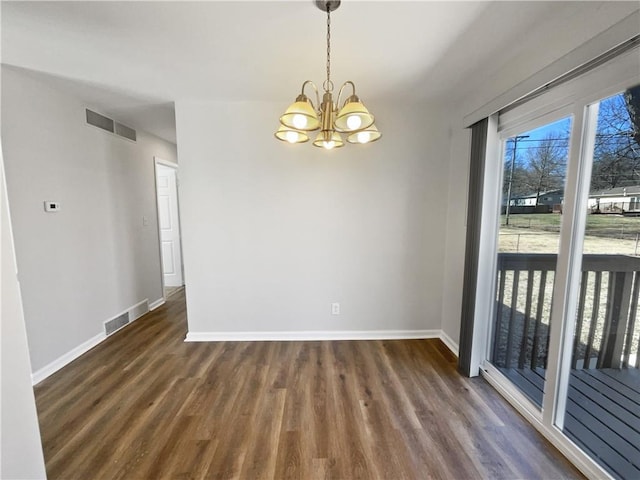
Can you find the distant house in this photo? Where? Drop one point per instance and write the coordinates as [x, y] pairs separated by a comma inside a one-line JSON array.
[[546, 202], [615, 200], [523, 201], [551, 198]]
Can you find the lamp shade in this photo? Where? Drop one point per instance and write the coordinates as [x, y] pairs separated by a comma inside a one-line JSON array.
[[301, 115], [291, 135], [328, 139], [367, 135], [353, 116]]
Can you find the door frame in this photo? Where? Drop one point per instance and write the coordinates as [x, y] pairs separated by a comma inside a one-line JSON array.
[[166, 163]]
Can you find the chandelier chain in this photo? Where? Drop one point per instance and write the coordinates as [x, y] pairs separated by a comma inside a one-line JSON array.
[[329, 84]]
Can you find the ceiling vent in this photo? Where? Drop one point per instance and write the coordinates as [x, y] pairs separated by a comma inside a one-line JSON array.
[[100, 121], [125, 131], [106, 123]]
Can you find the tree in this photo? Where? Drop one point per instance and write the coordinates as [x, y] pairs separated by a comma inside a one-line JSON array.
[[632, 101], [547, 164], [611, 170], [616, 160], [519, 184]]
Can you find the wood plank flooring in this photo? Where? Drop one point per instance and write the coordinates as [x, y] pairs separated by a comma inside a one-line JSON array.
[[146, 405]]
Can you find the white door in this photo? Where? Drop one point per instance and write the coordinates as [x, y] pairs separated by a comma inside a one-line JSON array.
[[169, 225]]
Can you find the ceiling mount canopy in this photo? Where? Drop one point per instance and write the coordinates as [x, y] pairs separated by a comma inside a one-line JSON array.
[[330, 5], [303, 116]]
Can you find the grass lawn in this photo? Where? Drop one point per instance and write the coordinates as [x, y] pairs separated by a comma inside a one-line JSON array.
[[540, 233], [611, 226]]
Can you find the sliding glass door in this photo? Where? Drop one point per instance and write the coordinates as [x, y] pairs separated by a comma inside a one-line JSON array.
[[564, 323], [602, 401], [535, 166]]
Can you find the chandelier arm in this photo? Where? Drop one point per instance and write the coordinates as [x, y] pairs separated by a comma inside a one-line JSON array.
[[348, 82], [315, 88]]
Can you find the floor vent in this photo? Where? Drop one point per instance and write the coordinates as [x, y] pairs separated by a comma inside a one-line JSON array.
[[110, 125], [114, 324]]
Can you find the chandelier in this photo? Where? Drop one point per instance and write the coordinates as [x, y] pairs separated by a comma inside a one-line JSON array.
[[352, 119]]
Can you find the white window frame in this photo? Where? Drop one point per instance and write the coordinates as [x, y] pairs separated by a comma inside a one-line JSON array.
[[578, 98]]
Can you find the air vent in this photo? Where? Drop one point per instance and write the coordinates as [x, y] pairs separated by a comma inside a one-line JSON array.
[[106, 123], [99, 121], [112, 325], [125, 131]]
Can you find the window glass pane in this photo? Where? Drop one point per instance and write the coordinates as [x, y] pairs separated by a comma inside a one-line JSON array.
[[603, 399], [535, 164]]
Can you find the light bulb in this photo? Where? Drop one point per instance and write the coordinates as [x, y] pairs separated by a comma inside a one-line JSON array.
[[354, 122], [299, 121], [364, 137], [328, 145], [291, 136]]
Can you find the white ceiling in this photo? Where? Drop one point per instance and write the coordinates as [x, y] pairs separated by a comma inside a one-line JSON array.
[[134, 59]]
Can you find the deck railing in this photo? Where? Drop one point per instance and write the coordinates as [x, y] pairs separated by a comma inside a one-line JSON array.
[[607, 331]]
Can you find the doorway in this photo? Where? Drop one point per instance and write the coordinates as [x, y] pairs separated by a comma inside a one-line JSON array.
[[169, 226]]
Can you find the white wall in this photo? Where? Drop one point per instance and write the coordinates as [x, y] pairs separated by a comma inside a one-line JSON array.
[[456, 231], [20, 448], [274, 233], [94, 258]]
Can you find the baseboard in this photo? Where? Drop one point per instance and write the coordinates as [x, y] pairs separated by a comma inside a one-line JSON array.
[[67, 358], [448, 341], [310, 335], [158, 303], [322, 335], [139, 310], [135, 311]]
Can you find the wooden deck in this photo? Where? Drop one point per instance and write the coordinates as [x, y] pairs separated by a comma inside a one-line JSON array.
[[603, 413]]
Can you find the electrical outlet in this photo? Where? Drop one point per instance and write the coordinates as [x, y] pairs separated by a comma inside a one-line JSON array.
[[335, 309], [50, 206]]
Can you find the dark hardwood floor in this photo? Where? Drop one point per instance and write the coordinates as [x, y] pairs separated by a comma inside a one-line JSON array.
[[146, 405]]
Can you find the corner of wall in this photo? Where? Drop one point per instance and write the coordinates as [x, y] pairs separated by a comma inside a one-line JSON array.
[[455, 229], [21, 453]]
